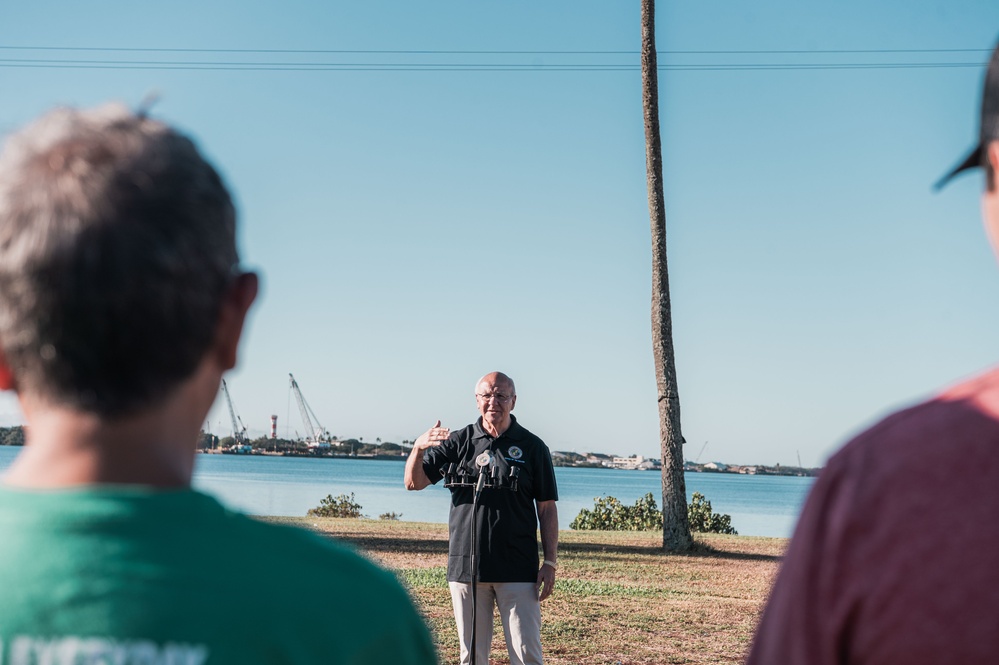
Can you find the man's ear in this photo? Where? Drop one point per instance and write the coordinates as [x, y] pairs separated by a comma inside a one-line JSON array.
[[992, 154], [232, 316], [6, 375]]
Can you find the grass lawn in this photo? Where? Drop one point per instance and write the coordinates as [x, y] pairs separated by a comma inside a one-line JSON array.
[[618, 599]]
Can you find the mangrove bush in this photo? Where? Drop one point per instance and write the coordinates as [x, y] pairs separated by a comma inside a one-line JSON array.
[[609, 514], [337, 506]]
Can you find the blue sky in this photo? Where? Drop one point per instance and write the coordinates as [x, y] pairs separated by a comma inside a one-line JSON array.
[[417, 228]]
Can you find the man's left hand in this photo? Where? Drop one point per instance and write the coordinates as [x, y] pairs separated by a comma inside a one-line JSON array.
[[546, 582]]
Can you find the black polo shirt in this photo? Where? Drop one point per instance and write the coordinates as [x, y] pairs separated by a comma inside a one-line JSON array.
[[507, 522]]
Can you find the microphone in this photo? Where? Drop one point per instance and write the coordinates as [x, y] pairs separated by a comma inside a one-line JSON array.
[[482, 461]]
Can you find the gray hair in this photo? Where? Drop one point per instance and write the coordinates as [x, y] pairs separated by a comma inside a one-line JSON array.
[[117, 244]]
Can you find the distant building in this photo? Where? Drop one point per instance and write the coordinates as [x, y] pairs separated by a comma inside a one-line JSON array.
[[627, 462], [599, 458], [320, 445], [715, 466]]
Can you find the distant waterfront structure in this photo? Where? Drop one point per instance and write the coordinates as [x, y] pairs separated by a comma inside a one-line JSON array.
[[316, 435], [273, 427], [635, 462]]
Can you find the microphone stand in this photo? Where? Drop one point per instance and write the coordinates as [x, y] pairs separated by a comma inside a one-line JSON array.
[[475, 562], [454, 478]]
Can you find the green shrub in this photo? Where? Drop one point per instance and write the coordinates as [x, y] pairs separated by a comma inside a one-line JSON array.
[[609, 514], [393, 516], [702, 519], [338, 506]]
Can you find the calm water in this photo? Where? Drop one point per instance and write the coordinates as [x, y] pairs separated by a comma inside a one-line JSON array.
[[759, 505]]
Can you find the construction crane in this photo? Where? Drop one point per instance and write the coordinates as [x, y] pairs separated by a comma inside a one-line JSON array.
[[698, 458], [316, 435], [238, 428]]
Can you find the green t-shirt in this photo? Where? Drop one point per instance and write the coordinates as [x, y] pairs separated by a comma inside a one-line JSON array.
[[129, 575]]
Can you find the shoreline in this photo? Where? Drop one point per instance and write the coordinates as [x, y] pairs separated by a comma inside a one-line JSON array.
[[688, 467]]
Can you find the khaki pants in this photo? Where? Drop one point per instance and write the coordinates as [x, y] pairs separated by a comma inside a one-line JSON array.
[[519, 611]]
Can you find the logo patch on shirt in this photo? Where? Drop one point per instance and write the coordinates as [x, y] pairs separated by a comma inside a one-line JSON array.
[[515, 452]]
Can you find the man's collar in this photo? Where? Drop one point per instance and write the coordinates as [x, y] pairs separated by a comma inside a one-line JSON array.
[[512, 432]]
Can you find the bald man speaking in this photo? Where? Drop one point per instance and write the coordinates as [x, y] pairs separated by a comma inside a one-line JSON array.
[[515, 480]]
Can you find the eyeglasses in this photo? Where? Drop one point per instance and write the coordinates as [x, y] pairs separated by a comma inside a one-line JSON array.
[[499, 397]]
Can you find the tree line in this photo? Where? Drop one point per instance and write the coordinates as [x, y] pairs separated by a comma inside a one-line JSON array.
[[14, 436], [339, 446]]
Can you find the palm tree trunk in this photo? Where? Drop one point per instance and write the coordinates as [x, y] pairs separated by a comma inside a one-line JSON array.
[[676, 529]]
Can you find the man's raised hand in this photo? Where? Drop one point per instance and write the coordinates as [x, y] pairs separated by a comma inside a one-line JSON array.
[[414, 477], [432, 437]]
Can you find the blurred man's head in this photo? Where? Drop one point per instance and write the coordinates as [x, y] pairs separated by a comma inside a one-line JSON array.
[[985, 155], [988, 128], [117, 250]]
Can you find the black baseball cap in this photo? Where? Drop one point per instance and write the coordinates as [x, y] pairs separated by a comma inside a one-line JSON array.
[[990, 122]]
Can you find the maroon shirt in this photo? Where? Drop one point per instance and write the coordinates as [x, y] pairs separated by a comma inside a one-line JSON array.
[[895, 558]]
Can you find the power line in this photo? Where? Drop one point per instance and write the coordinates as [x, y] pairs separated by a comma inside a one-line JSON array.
[[304, 51], [832, 51], [460, 67], [347, 61], [252, 65], [485, 52], [320, 68]]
